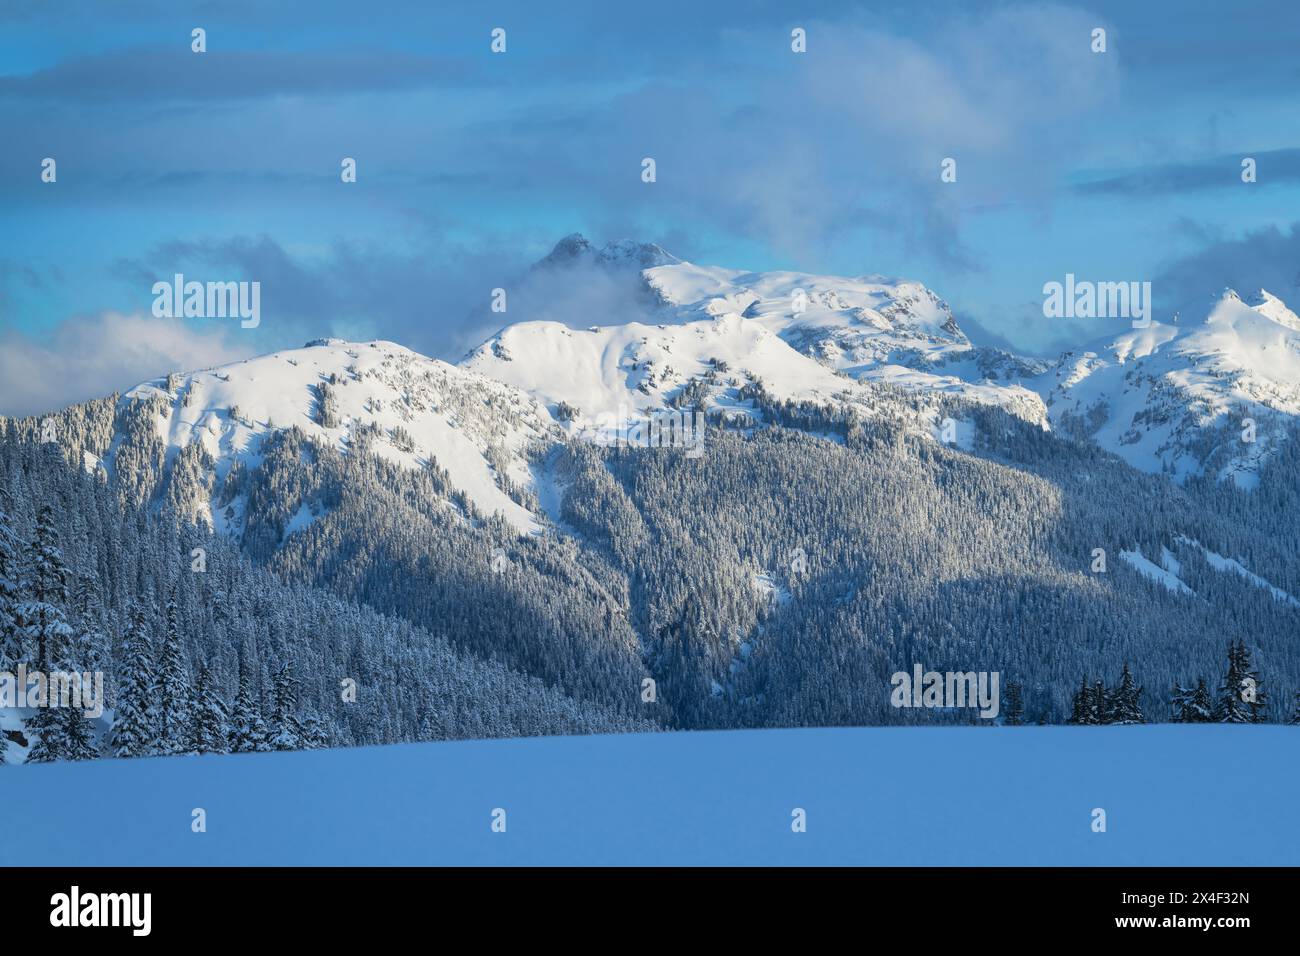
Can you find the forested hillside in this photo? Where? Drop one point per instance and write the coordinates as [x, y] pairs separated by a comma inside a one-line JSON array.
[[778, 579], [781, 578], [204, 651]]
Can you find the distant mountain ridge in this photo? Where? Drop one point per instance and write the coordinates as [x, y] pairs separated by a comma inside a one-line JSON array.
[[1165, 398], [1176, 398], [837, 528], [1173, 398]]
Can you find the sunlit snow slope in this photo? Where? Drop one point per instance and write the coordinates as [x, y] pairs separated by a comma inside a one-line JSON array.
[[452, 416], [1178, 396], [804, 337]]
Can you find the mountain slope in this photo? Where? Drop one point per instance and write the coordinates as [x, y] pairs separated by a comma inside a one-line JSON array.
[[707, 332], [1170, 398], [327, 465], [1178, 397], [408, 409]]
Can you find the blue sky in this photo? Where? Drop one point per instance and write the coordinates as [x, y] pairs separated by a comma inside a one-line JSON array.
[[225, 165]]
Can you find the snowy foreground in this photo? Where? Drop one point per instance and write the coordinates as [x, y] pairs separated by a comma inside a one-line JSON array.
[[1173, 795]]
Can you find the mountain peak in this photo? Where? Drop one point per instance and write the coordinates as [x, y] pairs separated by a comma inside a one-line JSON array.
[[575, 247], [1271, 307], [411, 410], [647, 255]]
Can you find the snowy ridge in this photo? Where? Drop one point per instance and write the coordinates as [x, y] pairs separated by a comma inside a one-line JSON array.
[[821, 339], [426, 411], [1175, 397], [1169, 397]]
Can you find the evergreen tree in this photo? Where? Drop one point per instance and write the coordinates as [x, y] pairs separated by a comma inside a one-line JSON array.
[[134, 732], [75, 659], [76, 734], [210, 724], [247, 728], [175, 700], [1255, 694], [1242, 699], [1015, 709], [1202, 704], [1126, 707], [42, 618], [11, 644], [47, 632], [315, 735], [93, 650], [286, 731], [1192, 705], [1081, 711], [1101, 705]]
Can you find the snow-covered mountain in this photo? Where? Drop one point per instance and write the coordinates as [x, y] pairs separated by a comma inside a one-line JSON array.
[[1181, 397], [419, 411], [713, 330], [731, 577], [1177, 398], [1169, 398]]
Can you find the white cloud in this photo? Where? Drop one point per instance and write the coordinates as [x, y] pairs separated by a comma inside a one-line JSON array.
[[92, 357]]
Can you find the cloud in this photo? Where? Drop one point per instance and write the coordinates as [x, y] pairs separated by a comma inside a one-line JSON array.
[[1267, 258], [92, 357], [426, 291], [807, 152], [178, 74], [808, 155], [436, 301], [1220, 172]]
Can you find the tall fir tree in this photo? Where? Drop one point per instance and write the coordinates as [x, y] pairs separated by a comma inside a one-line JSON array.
[[286, 730], [1015, 711], [315, 734], [1081, 712], [211, 729], [11, 643], [1241, 698], [46, 633], [1255, 694], [43, 618], [1126, 705], [89, 620], [76, 734], [134, 732], [247, 727], [1101, 705], [1192, 705], [175, 698]]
